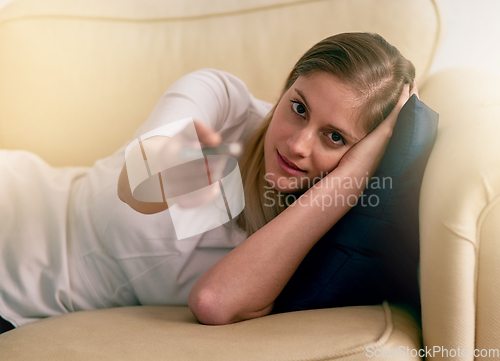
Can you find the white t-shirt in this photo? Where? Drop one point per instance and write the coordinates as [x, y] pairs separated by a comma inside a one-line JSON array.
[[67, 243]]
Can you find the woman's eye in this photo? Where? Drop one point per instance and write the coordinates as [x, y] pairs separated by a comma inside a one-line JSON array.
[[337, 138], [299, 108]]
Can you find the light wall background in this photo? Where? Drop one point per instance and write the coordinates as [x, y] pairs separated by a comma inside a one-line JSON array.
[[472, 35]]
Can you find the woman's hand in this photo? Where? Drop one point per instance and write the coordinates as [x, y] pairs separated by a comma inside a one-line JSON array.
[[181, 174], [360, 162], [368, 152], [207, 136]]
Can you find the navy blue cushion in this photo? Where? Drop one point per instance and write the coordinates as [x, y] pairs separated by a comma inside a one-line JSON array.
[[372, 253]]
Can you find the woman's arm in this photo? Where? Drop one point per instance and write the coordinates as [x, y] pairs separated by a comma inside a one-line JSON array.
[[245, 282], [125, 195], [216, 99], [208, 136]]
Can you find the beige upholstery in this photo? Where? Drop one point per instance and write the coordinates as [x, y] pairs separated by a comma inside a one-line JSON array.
[[78, 77], [172, 333], [460, 214]]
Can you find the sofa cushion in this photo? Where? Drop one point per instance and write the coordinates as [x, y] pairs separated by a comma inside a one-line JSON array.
[[372, 253], [172, 333]]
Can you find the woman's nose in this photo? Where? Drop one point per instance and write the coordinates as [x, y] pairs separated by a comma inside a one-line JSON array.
[[300, 143]]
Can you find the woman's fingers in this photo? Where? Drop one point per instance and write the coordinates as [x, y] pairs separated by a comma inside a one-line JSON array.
[[390, 121], [368, 152], [181, 175], [403, 98], [207, 135], [414, 89]]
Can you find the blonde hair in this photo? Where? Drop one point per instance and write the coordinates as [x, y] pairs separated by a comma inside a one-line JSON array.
[[376, 72]]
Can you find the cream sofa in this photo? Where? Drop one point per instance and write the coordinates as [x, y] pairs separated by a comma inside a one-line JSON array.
[[78, 77]]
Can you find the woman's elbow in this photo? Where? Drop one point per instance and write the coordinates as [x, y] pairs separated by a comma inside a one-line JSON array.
[[208, 310]]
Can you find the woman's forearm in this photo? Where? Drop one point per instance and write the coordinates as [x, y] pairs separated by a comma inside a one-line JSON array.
[[245, 282]]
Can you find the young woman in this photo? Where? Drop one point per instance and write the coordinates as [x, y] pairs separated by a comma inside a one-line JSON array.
[[96, 246]]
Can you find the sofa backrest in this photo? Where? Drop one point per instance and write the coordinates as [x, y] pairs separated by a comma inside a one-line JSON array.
[[78, 77]]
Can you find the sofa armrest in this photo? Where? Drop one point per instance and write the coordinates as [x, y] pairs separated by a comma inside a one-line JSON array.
[[460, 214]]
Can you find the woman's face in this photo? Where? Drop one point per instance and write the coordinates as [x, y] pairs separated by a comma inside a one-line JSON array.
[[313, 126]]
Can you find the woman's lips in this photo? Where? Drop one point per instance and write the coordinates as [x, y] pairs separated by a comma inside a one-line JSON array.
[[287, 167]]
